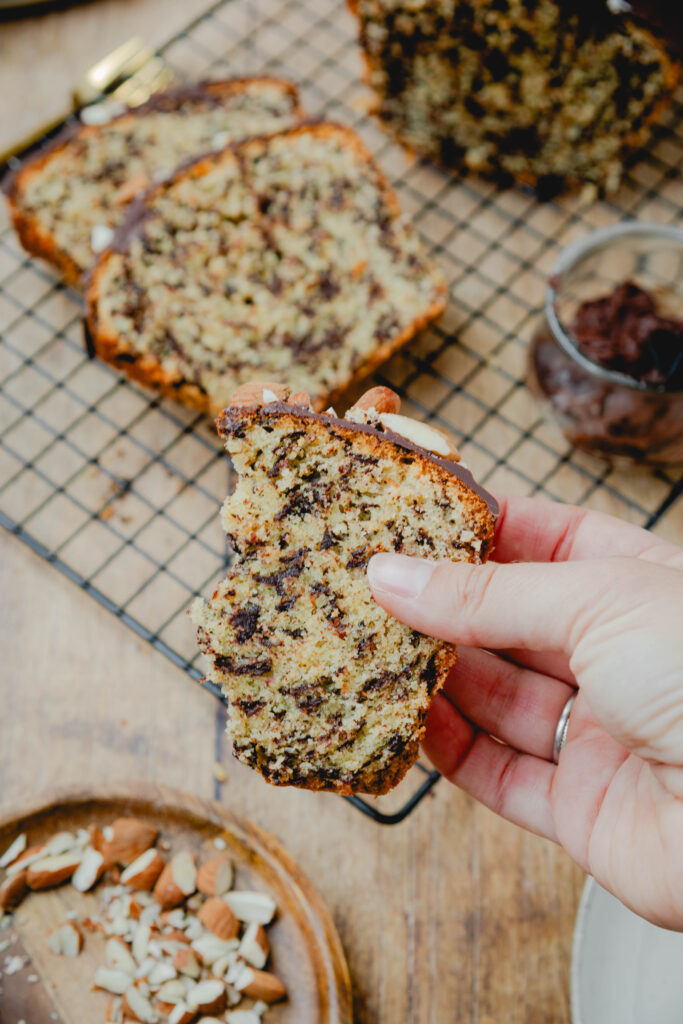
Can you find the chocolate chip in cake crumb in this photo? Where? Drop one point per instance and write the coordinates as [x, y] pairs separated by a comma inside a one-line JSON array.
[[244, 622]]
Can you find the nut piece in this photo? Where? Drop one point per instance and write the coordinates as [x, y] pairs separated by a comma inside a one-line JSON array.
[[144, 871], [254, 946], [138, 1006], [111, 980], [13, 850], [181, 1014], [210, 948], [13, 890], [89, 870], [207, 996], [185, 962], [114, 1013], [50, 871], [419, 433], [27, 858], [259, 393], [119, 957], [177, 881], [172, 992], [128, 838], [380, 399], [248, 906], [217, 916], [300, 398], [215, 877], [66, 940], [260, 985]]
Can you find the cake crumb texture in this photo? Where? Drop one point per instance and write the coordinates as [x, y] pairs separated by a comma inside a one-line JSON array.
[[325, 690], [548, 92], [283, 257], [64, 197]]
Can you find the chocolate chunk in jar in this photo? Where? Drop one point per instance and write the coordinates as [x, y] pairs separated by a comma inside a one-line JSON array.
[[609, 360]]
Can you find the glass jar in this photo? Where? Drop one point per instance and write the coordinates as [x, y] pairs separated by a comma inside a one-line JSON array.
[[602, 410]]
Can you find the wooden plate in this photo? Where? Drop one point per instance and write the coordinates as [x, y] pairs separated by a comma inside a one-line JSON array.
[[307, 953]]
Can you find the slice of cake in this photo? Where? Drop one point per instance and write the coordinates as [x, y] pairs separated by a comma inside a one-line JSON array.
[[66, 200], [283, 257], [548, 92], [325, 690]]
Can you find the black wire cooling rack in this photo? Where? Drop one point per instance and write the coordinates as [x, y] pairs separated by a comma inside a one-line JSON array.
[[120, 489]]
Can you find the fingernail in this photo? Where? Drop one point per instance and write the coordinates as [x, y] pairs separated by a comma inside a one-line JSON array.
[[399, 575]]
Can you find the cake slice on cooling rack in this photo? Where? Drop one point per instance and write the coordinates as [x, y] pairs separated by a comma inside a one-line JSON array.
[[67, 199], [283, 257], [324, 689], [548, 92]]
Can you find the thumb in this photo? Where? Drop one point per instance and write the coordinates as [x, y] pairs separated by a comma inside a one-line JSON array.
[[538, 606]]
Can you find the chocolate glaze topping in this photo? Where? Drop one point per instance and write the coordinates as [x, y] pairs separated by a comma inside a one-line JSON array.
[[225, 419]]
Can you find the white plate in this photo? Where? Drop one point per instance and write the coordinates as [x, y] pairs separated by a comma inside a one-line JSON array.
[[624, 970]]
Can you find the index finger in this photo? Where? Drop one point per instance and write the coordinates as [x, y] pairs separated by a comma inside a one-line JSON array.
[[536, 530]]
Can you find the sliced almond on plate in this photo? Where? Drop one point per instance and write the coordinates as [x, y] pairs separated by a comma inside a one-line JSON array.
[[211, 948], [186, 962], [112, 980], [66, 940], [207, 996], [143, 872], [138, 1006], [89, 870], [177, 881], [124, 841], [13, 851], [181, 1014], [217, 916], [160, 972], [215, 877], [114, 1014], [260, 985], [140, 942], [172, 992], [254, 947], [119, 957], [13, 890], [25, 860], [50, 871], [251, 906]]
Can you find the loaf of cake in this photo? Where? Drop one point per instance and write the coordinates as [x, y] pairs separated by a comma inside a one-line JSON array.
[[68, 198], [324, 689], [284, 256], [547, 92]]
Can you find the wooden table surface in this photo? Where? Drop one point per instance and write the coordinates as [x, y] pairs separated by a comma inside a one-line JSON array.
[[451, 916]]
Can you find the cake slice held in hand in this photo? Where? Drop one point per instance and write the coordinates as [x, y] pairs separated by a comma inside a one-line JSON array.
[[281, 257], [324, 689]]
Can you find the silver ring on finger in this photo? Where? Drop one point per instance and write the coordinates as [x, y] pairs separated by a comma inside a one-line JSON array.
[[562, 729]]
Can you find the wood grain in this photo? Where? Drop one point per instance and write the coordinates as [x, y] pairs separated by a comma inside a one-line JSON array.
[[307, 955]]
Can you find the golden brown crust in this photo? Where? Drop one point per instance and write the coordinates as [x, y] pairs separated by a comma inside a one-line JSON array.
[[147, 370], [39, 242]]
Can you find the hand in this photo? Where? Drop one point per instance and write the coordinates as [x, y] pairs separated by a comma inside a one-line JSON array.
[[597, 605]]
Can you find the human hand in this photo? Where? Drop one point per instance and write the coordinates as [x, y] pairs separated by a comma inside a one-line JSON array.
[[596, 604]]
